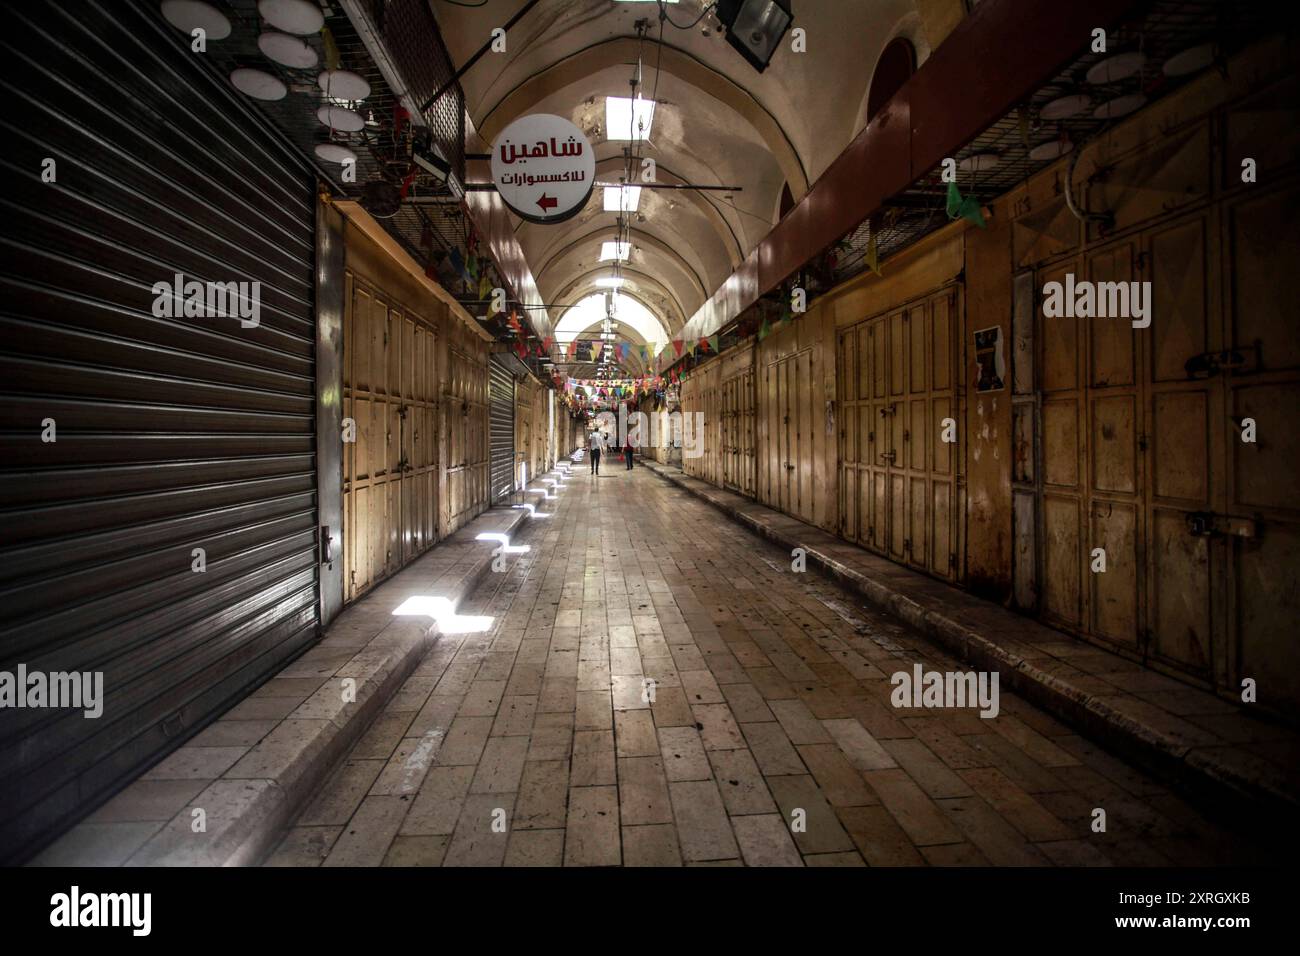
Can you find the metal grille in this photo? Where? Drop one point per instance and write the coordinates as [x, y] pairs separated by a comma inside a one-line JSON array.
[[413, 41], [1167, 27], [431, 221], [175, 432], [501, 411]]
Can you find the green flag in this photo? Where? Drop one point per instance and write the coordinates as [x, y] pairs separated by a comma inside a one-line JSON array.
[[965, 208]]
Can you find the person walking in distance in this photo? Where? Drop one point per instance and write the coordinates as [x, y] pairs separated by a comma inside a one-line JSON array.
[[596, 444], [627, 451]]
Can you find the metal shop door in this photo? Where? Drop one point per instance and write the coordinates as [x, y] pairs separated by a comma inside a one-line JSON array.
[[159, 476], [790, 455], [501, 411], [898, 483], [390, 472]]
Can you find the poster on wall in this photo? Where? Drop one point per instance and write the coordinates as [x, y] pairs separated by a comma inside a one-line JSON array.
[[543, 167], [990, 365]]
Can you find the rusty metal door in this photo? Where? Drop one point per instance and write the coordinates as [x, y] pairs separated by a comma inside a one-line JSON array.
[[1258, 529], [790, 459], [898, 480]]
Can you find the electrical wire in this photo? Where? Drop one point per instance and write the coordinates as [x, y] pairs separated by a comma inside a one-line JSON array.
[[663, 15], [462, 3]]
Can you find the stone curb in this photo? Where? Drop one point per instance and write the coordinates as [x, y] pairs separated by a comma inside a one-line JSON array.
[[250, 802], [249, 806], [1217, 779]]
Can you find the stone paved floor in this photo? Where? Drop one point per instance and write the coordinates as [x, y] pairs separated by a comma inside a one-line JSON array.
[[531, 742]]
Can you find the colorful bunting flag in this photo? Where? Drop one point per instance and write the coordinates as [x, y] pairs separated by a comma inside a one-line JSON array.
[[964, 208]]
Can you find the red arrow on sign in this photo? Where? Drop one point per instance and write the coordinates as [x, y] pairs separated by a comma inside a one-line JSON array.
[[547, 202]]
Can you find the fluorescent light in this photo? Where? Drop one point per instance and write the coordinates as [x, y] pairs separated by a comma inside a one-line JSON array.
[[627, 119], [609, 283], [615, 250], [622, 198]]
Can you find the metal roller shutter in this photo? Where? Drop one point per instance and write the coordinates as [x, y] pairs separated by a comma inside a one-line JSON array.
[[171, 434], [501, 411]]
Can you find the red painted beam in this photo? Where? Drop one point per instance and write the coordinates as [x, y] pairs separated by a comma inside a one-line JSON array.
[[997, 56]]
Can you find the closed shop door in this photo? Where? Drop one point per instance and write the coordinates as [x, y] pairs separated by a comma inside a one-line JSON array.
[[1143, 454], [390, 470], [465, 427], [502, 409], [1259, 527], [898, 476], [738, 433], [790, 465], [159, 467]]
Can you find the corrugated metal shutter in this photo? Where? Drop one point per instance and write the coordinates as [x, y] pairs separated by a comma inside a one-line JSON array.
[[172, 434], [501, 402]]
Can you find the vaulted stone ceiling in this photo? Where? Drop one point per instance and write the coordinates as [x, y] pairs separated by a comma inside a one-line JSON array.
[[717, 122]]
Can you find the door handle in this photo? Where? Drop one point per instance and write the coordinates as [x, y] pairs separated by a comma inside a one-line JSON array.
[[1207, 524], [888, 456]]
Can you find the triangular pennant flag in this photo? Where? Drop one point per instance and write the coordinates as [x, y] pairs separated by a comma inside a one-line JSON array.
[[677, 347], [765, 329], [713, 344], [872, 255], [964, 208], [331, 49]]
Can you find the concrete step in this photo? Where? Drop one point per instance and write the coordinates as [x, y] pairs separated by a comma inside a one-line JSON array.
[[223, 798], [1224, 753]]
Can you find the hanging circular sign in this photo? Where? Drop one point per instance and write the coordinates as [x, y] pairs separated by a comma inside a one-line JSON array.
[[543, 167]]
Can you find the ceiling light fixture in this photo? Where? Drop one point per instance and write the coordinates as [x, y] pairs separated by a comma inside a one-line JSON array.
[[615, 250], [628, 119], [613, 282], [755, 27], [622, 198]]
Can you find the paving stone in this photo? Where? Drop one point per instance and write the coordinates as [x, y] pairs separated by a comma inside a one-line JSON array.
[[535, 848], [543, 795], [482, 831], [634, 732], [702, 825], [592, 827], [683, 754], [366, 837], [436, 808], [417, 851], [771, 693], [765, 841], [653, 845]]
